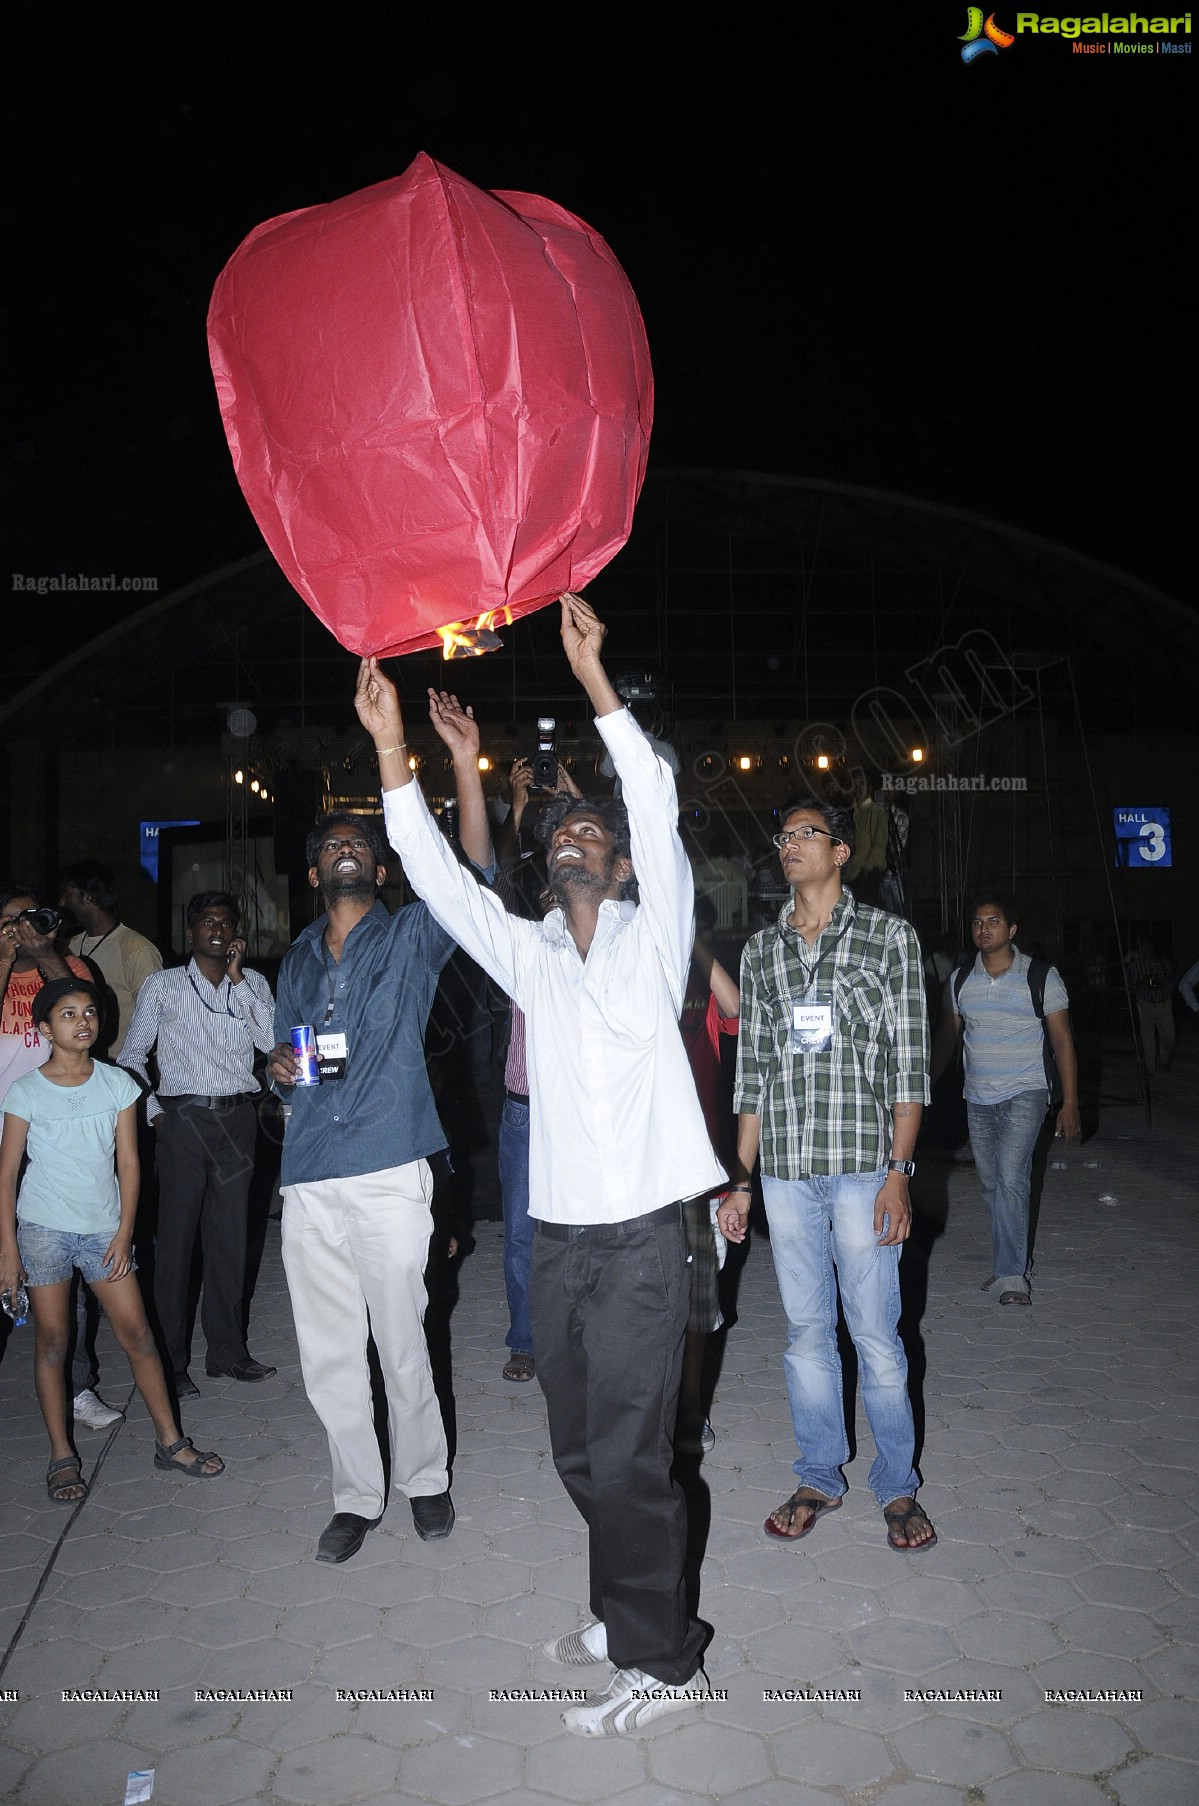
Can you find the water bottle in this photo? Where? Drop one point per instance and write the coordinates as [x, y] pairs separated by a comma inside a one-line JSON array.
[[16, 1305]]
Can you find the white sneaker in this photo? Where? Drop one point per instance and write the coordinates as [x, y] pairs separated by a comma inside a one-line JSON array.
[[633, 1702], [91, 1410], [578, 1647]]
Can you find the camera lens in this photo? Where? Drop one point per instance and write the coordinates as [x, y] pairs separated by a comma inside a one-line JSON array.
[[45, 921]]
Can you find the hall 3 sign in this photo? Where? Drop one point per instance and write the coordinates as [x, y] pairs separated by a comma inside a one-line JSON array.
[[1143, 837]]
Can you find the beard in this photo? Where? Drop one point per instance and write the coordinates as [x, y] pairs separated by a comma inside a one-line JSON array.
[[356, 887], [571, 878]]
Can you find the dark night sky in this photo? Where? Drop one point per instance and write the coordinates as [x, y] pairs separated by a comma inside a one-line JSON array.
[[857, 258]]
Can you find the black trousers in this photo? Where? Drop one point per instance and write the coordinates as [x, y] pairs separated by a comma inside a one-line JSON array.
[[609, 1311], [205, 1160]]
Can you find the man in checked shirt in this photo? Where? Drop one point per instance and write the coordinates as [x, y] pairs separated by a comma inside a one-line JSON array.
[[832, 1078]]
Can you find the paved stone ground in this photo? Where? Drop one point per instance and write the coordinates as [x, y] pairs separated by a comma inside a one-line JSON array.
[[1061, 1473]]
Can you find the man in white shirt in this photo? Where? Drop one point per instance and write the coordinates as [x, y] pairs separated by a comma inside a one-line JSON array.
[[617, 1141]]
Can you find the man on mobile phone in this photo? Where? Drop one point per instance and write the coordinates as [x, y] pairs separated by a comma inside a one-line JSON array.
[[205, 1020]]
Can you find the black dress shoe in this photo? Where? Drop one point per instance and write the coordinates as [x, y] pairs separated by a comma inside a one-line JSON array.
[[249, 1369], [343, 1536], [185, 1386], [433, 1516]]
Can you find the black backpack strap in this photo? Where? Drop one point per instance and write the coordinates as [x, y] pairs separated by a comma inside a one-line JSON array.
[[958, 980], [1038, 972]]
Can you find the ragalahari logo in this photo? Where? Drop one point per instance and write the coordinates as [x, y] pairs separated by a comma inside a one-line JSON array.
[[983, 38]]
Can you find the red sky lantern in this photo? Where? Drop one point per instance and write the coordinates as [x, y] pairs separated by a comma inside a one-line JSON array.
[[438, 402]]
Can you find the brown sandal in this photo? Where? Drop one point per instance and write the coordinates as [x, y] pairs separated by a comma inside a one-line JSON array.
[[519, 1367]]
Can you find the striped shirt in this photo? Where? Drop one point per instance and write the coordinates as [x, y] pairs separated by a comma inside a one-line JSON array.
[[205, 1034], [830, 1112], [1004, 1039]]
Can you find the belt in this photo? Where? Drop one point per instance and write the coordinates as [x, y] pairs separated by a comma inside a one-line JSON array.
[[516, 1097], [210, 1103], [567, 1232]]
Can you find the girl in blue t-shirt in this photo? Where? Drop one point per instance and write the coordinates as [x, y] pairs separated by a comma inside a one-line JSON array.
[[76, 1209]]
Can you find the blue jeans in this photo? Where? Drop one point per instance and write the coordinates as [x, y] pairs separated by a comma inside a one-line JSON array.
[[518, 1224], [822, 1235], [1003, 1138]]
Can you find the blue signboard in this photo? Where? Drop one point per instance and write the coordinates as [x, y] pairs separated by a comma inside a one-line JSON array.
[[1143, 838], [149, 843]]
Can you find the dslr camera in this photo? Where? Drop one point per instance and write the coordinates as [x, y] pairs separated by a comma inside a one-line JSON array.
[[43, 921], [544, 762]]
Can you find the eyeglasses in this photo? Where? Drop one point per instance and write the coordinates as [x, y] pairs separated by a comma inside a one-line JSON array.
[[805, 833]]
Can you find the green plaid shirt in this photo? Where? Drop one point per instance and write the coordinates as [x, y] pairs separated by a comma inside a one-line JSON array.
[[831, 1112]]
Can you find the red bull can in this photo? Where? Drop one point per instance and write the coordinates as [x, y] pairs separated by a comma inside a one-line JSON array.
[[303, 1045]]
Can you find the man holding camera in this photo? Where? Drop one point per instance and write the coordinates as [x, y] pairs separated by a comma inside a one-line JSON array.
[[617, 1141], [28, 959]]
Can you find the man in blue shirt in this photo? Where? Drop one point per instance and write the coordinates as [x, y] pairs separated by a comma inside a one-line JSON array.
[[1007, 1093], [355, 1175]]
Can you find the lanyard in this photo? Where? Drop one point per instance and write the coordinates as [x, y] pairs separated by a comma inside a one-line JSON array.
[[810, 976], [195, 987], [332, 1003]]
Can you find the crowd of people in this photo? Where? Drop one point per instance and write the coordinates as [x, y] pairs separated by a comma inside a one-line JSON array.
[[622, 1180]]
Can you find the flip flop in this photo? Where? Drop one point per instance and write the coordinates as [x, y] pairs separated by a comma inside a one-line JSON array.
[[1015, 1297], [800, 1501], [57, 1490], [899, 1520]]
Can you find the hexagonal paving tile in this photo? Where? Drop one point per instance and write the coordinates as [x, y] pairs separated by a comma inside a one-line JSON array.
[[329, 1622], [1015, 1637], [713, 1754], [831, 1755], [906, 1649], [1072, 1738], [1110, 1630], [1155, 1781], [93, 1781], [460, 1769]]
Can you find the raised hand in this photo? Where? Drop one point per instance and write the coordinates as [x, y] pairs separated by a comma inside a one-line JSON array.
[[454, 724], [378, 705], [583, 633]]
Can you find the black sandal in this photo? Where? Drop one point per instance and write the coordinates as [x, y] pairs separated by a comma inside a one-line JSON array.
[[800, 1501], [194, 1470], [58, 1490]]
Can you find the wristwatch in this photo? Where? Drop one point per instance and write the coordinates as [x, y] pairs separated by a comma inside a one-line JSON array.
[[907, 1167]]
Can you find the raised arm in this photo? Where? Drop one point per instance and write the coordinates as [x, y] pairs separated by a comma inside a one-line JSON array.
[[664, 882], [475, 917], [459, 730]]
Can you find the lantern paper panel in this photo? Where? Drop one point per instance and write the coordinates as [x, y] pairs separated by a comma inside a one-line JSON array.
[[438, 402]]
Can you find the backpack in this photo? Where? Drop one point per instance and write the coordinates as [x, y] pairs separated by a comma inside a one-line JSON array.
[[1038, 972]]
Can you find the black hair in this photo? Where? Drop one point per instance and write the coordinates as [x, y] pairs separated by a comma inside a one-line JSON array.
[[9, 891], [705, 913], [998, 899], [366, 825], [212, 899], [838, 821], [92, 880], [611, 814], [55, 990]]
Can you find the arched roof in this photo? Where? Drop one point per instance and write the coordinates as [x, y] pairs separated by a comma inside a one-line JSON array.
[[753, 594]]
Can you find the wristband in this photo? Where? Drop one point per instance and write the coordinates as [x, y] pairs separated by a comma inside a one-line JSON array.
[[748, 1188], [380, 750]]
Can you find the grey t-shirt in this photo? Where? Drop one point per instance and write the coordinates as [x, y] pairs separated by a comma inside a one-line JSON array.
[[1003, 1038]]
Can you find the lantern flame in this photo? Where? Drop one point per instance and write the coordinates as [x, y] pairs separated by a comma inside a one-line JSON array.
[[471, 639]]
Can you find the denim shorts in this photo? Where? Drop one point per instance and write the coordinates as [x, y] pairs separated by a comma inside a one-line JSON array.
[[51, 1255]]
